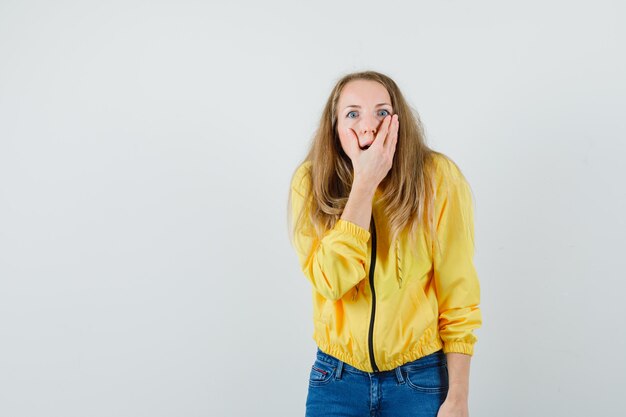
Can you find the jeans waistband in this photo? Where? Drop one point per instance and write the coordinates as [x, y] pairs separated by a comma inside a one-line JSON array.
[[437, 357]]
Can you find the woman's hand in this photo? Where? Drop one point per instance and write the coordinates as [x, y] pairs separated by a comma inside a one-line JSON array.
[[372, 164], [452, 408]]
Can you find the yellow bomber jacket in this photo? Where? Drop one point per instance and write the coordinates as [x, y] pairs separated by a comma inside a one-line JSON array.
[[409, 302]]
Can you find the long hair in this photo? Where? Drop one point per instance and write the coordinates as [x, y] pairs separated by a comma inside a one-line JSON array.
[[408, 190]]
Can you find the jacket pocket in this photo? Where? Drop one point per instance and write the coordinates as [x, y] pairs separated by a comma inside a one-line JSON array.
[[423, 307], [322, 309], [327, 311], [412, 274]]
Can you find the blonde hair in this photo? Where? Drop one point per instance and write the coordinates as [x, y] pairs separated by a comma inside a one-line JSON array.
[[408, 190]]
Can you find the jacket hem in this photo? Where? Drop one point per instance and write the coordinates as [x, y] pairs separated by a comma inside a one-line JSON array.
[[365, 366]]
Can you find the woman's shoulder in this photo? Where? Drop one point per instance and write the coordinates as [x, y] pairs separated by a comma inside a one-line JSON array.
[[304, 167], [444, 168], [301, 176], [449, 179]]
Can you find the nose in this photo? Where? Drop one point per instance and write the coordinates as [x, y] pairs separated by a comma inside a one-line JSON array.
[[366, 131], [369, 124]]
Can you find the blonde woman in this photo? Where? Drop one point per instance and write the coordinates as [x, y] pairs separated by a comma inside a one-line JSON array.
[[383, 229]]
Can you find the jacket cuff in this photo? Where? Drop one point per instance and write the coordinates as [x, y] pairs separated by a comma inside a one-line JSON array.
[[354, 229], [459, 347]]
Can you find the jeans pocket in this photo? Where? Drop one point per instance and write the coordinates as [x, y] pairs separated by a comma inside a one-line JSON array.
[[321, 373], [429, 378]]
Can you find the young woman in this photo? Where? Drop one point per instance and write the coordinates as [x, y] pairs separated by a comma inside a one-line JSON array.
[[383, 229]]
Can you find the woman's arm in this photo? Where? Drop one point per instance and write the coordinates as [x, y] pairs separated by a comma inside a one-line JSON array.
[[358, 209], [336, 263], [458, 288], [458, 373], [454, 274], [455, 404]]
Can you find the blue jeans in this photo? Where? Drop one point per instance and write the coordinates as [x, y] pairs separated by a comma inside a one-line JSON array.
[[415, 389]]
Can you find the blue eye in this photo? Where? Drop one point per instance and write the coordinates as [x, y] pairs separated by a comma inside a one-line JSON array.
[[385, 113]]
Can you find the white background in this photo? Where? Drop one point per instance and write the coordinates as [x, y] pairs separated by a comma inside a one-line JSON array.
[[146, 149]]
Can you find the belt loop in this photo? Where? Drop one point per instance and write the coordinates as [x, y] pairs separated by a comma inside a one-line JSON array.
[[399, 375], [339, 369]]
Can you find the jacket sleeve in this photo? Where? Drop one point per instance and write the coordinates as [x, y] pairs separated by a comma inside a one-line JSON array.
[[336, 263], [456, 280]]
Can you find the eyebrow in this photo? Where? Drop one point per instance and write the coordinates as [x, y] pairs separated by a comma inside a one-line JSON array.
[[358, 107]]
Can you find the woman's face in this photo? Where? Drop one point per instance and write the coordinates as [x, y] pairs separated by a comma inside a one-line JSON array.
[[362, 106]]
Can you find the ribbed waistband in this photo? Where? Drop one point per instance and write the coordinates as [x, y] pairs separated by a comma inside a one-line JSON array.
[[437, 357]]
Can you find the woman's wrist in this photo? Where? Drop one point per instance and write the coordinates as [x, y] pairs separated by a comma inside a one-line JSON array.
[[457, 395], [358, 209], [363, 188]]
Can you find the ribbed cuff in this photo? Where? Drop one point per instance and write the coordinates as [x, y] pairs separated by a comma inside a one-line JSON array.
[[458, 347], [354, 229]]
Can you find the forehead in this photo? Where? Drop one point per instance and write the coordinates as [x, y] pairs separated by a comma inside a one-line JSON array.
[[363, 91]]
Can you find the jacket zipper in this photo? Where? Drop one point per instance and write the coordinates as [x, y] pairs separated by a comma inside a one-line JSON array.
[[371, 278]]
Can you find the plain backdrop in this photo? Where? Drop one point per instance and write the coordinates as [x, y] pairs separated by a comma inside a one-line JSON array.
[[146, 152]]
